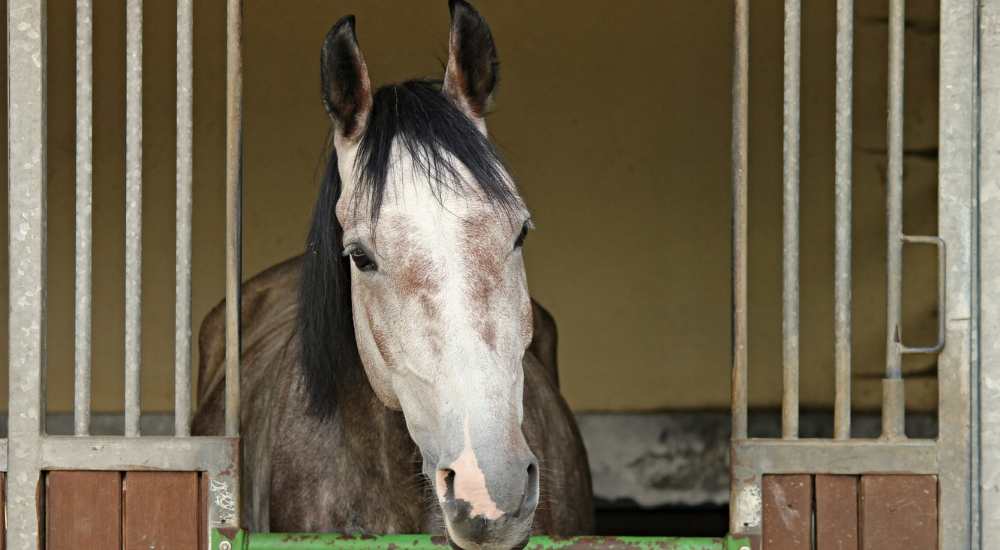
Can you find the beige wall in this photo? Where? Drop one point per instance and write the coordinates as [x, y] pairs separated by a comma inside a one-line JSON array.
[[615, 117]]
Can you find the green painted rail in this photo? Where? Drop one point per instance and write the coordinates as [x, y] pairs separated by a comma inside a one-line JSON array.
[[242, 540]]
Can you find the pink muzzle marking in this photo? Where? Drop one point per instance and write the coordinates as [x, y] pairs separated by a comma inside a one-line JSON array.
[[469, 483]]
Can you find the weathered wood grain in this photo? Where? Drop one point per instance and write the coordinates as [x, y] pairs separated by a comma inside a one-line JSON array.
[[83, 510], [787, 521], [898, 512], [161, 510]]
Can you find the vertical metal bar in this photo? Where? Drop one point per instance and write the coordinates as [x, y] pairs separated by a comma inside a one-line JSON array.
[[182, 313], [956, 221], [26, 180], [84, 241], [133, 215], [842, 260], [740, 101], [975, 424], [234, 176], [892, 388], [790, 264], [986, 401], [986, 416]]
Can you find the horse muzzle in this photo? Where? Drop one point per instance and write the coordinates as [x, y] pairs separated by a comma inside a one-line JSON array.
[[479, 519]]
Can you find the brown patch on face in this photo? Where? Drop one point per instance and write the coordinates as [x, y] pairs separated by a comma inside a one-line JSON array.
[[414, 278], [416, 275], [381, 340], [484, 268], [489, 334]]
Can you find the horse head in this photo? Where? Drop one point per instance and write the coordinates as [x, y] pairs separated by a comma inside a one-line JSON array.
[[428, 227]]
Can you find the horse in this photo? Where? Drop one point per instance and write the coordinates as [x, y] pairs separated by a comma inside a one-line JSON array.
[[397, 377]]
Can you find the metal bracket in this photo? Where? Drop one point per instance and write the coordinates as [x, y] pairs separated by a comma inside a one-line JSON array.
[[939, 242]]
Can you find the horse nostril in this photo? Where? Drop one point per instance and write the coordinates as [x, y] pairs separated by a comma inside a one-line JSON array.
[[529, 499], [449, 482]]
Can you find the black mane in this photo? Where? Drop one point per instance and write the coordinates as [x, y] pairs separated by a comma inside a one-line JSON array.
[[417, 116]]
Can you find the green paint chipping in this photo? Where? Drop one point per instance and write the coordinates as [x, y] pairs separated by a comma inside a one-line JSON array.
[[280, 541]]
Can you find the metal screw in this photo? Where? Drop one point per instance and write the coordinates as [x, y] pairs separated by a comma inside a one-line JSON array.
[[226, 545]]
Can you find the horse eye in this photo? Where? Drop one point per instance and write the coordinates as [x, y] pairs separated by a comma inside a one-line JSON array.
[[520, 238], [362, 261]]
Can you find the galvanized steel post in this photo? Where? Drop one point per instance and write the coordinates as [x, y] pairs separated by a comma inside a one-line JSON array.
[[234, 183], [739, 152], [842, 260], [790, 259], [182, 308], [986, 486], [956, 197], [84, 203], [133, 215], [893, 413], [26, 176]]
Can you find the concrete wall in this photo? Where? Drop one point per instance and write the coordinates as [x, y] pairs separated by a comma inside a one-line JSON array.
[[616, 119]]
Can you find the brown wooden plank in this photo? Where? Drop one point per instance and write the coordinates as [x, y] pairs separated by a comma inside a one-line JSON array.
[[787, 512], [83, 510], [898, 512], [836, 512], [161, 510]]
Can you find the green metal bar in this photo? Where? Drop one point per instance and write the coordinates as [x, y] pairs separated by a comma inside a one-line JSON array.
[[241, 540]]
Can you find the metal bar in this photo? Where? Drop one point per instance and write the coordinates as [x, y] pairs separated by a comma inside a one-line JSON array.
[[893, 408], [740, 508], [3, 455], [956, 220], [894, 217], [143, 453], [790, 263], [942, 299], [987, 484], [234, 177], [244, 540], [975, 303], [133, 215], [894, 198], [26, 218], [830, 456], [842, 259], [84, 241], [185, 151], [740, 102]]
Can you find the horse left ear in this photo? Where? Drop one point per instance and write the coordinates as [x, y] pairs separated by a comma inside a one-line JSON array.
[[473, 69]]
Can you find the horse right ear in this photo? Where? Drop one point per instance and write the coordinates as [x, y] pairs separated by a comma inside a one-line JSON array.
[[472, 72], [347, 91]]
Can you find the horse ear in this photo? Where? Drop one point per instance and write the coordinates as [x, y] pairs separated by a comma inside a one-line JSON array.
[[473, 70], [347, 91]]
